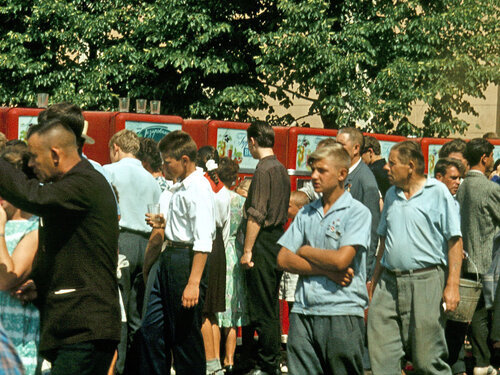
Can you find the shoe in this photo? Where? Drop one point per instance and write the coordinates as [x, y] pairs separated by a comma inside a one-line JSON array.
[[229, 369], [484, 371]]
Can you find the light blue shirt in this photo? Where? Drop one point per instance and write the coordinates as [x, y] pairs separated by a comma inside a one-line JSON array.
[[347, 223], [136, 189], [417, 230]]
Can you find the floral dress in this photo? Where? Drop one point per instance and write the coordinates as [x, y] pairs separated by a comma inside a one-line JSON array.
[[236, 313], [21, 323]]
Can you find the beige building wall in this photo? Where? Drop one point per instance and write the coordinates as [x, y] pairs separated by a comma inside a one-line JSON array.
[[487, 121]]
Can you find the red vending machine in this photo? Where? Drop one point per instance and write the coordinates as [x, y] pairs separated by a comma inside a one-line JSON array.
[[18, 120], [150, 126], [301, 143], [230, 139], [430, 148], [3, 111], [99, 129], [198, 130]]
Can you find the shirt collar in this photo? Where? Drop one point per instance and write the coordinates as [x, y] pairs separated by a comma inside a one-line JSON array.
[[198, 172], [343, 202], [476, 171], [428, 183], [128, 160], [353, 167]]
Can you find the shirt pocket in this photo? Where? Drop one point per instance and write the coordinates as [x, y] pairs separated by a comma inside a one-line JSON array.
[[332, 237]]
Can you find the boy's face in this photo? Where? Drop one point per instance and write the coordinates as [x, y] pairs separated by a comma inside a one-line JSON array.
[[326, 175], [173, 168]]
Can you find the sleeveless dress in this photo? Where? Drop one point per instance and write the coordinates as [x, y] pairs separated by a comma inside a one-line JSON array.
[[235, 314], [21, 323]]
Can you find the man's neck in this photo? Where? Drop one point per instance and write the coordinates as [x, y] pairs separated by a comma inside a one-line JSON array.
[[478, 168], [264, 152], [329, 198], [190, 169], [124, 155], [355, 159], [415, 184]]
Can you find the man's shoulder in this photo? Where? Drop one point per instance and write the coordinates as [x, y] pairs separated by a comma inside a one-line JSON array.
[[364, 174]]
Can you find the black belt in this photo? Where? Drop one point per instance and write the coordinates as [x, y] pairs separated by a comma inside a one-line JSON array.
[[411, 272], [179, 245]]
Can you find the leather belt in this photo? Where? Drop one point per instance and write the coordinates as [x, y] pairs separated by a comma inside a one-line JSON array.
[[411, 272], [179, 245]]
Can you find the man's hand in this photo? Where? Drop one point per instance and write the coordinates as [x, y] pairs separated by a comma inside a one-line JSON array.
[[451, 296], [155, 221], [343, 278], [26, 292], [190, 296], [246, 260]]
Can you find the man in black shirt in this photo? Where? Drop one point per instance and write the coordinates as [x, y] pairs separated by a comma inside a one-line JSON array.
[[74, 271], [372, 158], [267, 211]]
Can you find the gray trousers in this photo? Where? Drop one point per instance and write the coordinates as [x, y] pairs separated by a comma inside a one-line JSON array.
[[330, 345], [406, 321]]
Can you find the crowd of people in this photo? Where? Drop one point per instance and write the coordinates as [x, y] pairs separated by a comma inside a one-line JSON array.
[[153, 262]]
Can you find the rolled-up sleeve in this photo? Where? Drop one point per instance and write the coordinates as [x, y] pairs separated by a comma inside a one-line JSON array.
[[260, 191]]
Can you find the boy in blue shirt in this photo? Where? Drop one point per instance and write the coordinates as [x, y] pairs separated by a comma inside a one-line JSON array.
[[326, 245]]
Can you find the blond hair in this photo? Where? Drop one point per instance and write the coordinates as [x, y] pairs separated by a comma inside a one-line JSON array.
[[127, 140], [334, 151]]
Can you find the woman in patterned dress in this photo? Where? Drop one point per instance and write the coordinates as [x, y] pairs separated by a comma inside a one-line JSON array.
[[18, 245], [235, 314]]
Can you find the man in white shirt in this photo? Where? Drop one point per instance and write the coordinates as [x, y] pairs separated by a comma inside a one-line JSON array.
[[173, 318]]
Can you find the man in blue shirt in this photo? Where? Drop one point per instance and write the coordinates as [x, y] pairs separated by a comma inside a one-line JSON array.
[[326, 245], [420, 244], [136, 189]]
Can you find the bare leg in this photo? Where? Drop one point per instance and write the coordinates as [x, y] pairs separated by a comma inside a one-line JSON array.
[[208, 339], [230, 346]]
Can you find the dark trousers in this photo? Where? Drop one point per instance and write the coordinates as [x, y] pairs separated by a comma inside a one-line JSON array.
[[455, 335], [85, 358], [168, 327], [263, 281], [132, 245], [480, 326], [326, 345]]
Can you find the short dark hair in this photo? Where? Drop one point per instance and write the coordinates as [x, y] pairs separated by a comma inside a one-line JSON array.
[[475, 149], [355, 136], [410, 150], [149, 153], [371, 142], [443, 164], [178, 143], [68, 114], [262, 133], [455, 145], [228, 171]]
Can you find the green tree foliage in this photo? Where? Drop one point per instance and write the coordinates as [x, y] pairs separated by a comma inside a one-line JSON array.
[[373, 59], [357, 59]]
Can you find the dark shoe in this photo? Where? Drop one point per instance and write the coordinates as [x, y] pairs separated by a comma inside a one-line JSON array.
[[229, 369]]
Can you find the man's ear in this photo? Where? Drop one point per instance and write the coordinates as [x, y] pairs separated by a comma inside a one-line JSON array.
[[483, 159], [116, 148], [438, 176], [411, 165], [252, 141], [55, 155], [342, 174], [185, 159]]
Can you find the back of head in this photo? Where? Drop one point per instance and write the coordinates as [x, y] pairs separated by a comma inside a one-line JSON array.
[[178, 143], [228, 171], [355, 136], [149, 153], [443, 164], [410, 150], [475, 149], [205, 154], [455, 145], [333, 151], [3, 141], [262, 133], [56, 133], [371, 142], [69, 114], [299, 198], [127, 140], [490, 135]]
